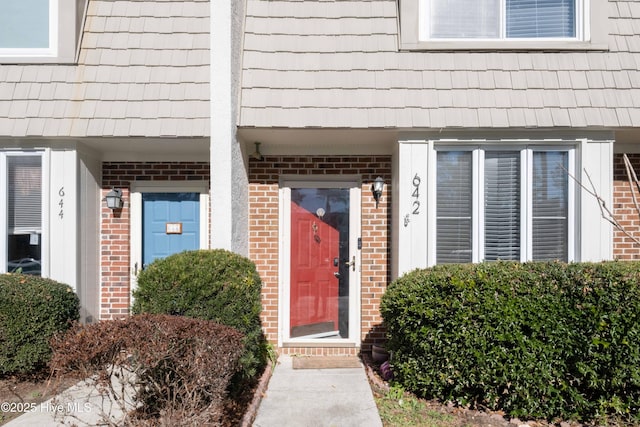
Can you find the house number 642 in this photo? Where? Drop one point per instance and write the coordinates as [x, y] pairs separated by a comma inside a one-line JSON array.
[[416, 194]]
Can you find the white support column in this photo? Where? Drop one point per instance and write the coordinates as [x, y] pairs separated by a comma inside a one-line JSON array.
[[221, 126], [63, 217], [412, 205], [229, 189]]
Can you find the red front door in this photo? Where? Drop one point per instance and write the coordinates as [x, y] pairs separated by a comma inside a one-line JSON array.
[[318, 277], [314, 287]]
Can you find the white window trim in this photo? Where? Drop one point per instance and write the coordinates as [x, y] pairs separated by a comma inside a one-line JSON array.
[[51, 51], [581, 17], [595, 33], [4, 221], [526, 212]]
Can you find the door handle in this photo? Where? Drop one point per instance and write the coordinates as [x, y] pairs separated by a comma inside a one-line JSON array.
[[351, 263], [335, 273]]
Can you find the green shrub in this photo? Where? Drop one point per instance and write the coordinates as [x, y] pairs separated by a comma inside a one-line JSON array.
[[32, 310], [181, 367], [537, 340], [208, 284]]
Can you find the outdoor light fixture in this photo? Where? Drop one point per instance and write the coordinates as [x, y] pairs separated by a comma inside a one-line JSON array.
[[114, 199], [256, 154], [376, 189]]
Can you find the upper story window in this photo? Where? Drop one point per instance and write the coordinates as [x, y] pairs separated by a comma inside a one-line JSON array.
[[28, 27], [504, 24], [501, 19], [40, 31]]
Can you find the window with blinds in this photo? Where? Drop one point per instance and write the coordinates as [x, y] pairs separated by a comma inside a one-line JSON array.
[[540, 18], [502, 206], [24, 214], [513, 220], [502, 19], [454, 207], [25, 193], [550, 219]]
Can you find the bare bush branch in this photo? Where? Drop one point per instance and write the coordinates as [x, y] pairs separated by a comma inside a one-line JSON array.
[[605, 212], [157, 369]]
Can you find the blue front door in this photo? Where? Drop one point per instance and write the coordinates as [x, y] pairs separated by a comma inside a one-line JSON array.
[[170, 224]]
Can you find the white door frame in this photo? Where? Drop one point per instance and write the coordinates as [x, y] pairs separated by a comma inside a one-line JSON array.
[[284, 264], [135, 230]]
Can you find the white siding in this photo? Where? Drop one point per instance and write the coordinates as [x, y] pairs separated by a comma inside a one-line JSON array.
[[596, 232]]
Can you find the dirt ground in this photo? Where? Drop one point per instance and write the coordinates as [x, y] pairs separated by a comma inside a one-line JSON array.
[[16, 394]]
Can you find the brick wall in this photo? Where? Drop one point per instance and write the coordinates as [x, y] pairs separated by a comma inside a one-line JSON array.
[[264, 236], [624, 210], [115, 225]]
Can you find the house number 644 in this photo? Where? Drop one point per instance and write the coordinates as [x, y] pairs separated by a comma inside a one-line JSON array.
[[61, 202]]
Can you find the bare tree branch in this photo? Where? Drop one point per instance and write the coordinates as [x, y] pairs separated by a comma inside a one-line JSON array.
[[632, 178], [605, 212]]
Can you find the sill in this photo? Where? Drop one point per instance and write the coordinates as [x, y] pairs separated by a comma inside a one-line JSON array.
[[26, 59], [497, 45], [320, 344]]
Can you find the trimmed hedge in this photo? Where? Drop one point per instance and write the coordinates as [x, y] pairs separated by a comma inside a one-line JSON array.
[[181, 367], [537, 340], [32, 310], [216, 285]]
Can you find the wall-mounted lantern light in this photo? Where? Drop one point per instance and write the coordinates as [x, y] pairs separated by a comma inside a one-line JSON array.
[[114, 199], [376, 189], [257, 155]]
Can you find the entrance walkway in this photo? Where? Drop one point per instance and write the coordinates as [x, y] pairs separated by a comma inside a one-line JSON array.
[[333, 397]]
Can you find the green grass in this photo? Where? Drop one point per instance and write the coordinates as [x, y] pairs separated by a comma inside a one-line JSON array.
[[400, 409]]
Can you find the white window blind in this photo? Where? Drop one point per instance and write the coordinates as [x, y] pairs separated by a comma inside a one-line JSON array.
[[502, 206], [540, 18], [550, 205], [464, 18], [454, 207], [25, 194]]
